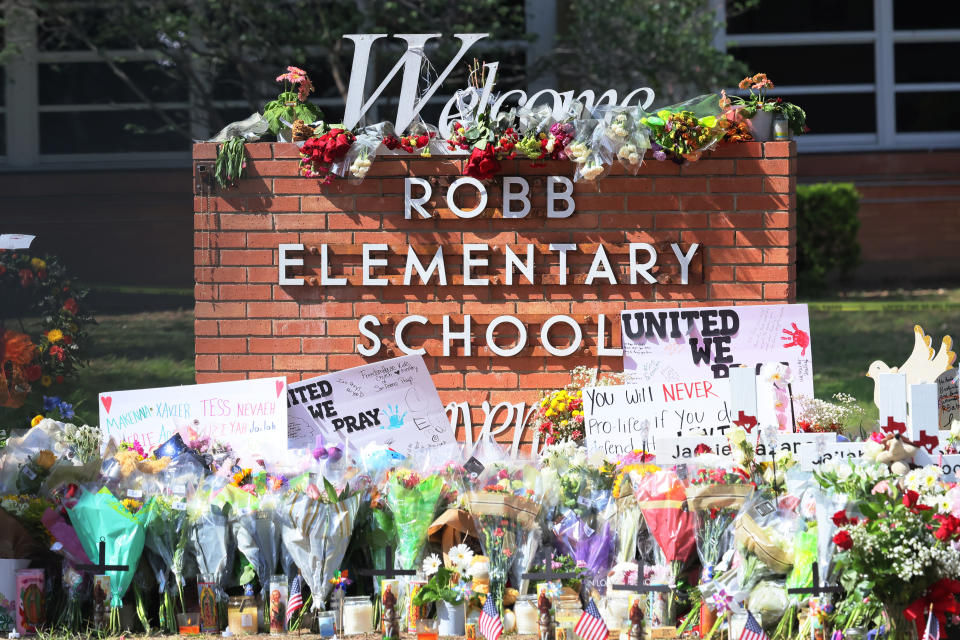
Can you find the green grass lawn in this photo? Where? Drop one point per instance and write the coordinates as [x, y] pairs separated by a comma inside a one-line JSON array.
[[154, 347]]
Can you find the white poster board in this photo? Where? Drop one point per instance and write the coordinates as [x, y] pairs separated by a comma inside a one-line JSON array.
[[392, 403], [812, 455], [674, 450], [618, 418], [13, 241], [697, 343], [250, 415]]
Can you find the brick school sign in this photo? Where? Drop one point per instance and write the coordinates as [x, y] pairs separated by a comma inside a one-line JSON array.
[[504, 287]]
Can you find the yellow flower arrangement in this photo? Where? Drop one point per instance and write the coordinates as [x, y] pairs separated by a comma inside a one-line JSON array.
[[54, 335], [38, 264], [624, 470]]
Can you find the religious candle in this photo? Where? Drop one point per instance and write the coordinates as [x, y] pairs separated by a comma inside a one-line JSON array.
[[357, 615], [414, 613], [527, 614], [30, 601], [209, 615], [278, 605]]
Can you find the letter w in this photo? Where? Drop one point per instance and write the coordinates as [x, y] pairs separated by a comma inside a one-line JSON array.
[[411, 61]]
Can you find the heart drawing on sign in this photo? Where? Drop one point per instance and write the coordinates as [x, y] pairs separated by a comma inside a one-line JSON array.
[[280, 386], [106, 401]]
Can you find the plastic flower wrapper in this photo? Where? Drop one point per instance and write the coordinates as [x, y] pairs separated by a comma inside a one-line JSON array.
[[412, 499], [165, 534], [661, 496], [715, 495], [504, 513], [767, 602], [254, 525], [360, 157], [764, 534], [591, 549], [208, 535], [28, 511], [99, 515], [626, 142], [629, 518], [685, 130], [580, 149], [316, 526]]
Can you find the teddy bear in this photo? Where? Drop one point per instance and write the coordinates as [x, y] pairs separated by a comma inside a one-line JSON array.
[[897, 453]]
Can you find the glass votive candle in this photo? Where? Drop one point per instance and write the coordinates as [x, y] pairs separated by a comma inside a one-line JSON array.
[[357, 615], [427, 629], [242, 615], [527, 614], [326, 626]]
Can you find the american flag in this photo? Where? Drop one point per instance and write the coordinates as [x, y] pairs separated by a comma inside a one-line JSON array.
[[752, 630], [591, 626], [295, 598], [932, 631], [490, 625]]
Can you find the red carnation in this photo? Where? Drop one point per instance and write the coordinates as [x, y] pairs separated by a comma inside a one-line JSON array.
[[391, 142], [701, 449], [34, 372], [843, 540], [71, 306], [26, 277], [840, 518], [422, 140], [949, 527]]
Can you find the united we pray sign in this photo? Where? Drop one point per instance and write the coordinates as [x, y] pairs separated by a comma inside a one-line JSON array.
[[502, 286]]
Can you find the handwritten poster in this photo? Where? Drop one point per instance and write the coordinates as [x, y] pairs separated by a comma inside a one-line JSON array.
[[699, 343], [250, 415], [673, 450], [623, 418], [948, 397], [392, 403]]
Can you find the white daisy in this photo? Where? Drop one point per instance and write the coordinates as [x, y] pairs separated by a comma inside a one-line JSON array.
[[431, 564], [460, 557]]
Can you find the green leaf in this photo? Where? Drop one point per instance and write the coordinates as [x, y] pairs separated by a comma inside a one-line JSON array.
[[330, 489]]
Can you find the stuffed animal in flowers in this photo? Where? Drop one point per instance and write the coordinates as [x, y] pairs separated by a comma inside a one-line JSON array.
[[896, 452]]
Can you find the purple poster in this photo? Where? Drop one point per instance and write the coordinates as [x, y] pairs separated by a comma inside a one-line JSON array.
[[699, 343]]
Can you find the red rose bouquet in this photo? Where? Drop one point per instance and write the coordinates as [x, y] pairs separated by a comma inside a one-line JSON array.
[[319, 154]]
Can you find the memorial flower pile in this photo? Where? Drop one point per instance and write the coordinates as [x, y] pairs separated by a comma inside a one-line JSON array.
[[717, 530]]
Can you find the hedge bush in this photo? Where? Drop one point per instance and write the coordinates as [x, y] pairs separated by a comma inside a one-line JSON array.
[[827, 225]]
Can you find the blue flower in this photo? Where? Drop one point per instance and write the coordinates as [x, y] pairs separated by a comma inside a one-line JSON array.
[[50, 403], [66, 410]]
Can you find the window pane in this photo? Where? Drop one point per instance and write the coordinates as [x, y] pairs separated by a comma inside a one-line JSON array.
[[95, 83], [840, 113], [108, 132], [928, 111], [799, 65], [926, 62], [776, 16], [930, 14]]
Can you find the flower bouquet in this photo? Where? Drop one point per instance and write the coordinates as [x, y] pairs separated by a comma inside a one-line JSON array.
[[661, 496], [591, 549], [628, 519], [505, 514], [100, 516], [899, 552], [412, 499], [166, 533], [715, 495], [626, 141], [316, 528], [685, 130], [321, 156]]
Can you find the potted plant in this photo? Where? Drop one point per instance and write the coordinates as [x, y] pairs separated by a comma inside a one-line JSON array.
[[762, 112], [291, 105], [449, 588]]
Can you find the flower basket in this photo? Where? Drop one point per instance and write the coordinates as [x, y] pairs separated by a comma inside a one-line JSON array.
[[717, 496], [518, 508]]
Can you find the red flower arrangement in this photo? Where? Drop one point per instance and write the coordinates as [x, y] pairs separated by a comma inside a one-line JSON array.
[[318, 154]]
